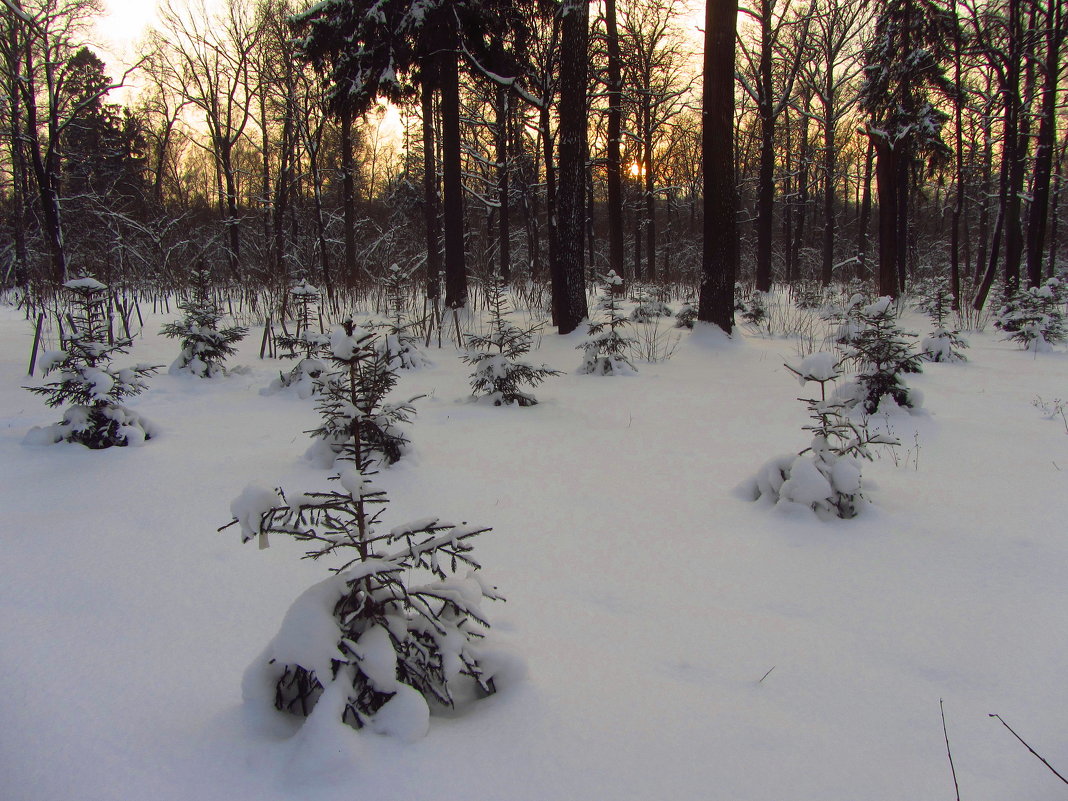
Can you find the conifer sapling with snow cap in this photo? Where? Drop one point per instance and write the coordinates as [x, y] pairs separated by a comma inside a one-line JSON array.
[[204, 345], [85, 379], [648, 306], [397, 339], [942, 344], [1034, 316], [604, 351], [308, 342], [396, 629], [357, 421], [826, 476], [499, 373], [879, 349]]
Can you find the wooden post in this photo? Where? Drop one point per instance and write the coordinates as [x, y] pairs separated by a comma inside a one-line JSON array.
[[36, 342], [266, 332]]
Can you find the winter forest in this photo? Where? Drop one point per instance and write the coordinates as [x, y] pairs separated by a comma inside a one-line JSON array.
[[627, 399]]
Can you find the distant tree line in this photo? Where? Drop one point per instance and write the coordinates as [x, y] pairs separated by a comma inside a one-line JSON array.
[[546, 141]]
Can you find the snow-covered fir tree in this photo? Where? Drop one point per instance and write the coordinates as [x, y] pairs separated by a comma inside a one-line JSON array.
[[395, 629], [205, 346], [826, 476], [648, 306], [942, 344], [396, 337], [1034, 316], [883, 356], [604, 351], [308, 344], [85, 380], [499, 373], [752, 306], [357, 421], [686, 316]]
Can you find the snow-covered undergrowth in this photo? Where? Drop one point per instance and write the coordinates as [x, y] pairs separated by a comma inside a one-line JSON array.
[[647, 602]]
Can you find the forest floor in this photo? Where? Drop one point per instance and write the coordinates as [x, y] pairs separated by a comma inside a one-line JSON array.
[[679, 642]]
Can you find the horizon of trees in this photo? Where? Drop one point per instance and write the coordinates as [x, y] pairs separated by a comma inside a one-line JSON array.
[[880, 140]]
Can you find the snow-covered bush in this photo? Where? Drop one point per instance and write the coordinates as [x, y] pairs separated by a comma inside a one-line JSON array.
[[686, 316], [393, 631], [499, 373], [307, 344], [648, 307], [604, 351], [753, 307], [85, 379], [357, 422], [942, 344], [205, 346], [826, 476], [396, 338], [878, 347], [1034, 317]]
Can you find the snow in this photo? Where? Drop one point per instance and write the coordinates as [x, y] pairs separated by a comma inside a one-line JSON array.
[[646, 600]]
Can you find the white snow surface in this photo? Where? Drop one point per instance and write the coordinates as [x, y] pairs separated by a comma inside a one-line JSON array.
[[647, 601]]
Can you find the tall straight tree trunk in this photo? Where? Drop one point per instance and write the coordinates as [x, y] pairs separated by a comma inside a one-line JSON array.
[[1047, 138], [348, 196], [452, 185], [650, 193], [719, 257], [571, 213], [863, 272], [615, 129], [887, 174], [503, 218], [1015, 148], [958, 206], [830, 168], [431, 203], [766, 175]]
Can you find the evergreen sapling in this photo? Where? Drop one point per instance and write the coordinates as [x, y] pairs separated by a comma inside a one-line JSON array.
[[604, 350], [204, 345], [1034, 317], [499, 373], [826, 476], [396, 628], [85, 379], [357, 422], [307, 342], [878, 347], [397, 340], [942, 344]]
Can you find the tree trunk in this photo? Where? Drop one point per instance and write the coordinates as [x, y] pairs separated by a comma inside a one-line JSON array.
[[1047, 137], [503, 219], [766, 175], [348, 196], [452, 183], [431, 204], [574, 43], [887, 174], [719, 258], [615, 128], [863, 272]]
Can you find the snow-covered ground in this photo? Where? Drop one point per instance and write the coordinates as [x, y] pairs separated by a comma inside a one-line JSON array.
[[679, 642]]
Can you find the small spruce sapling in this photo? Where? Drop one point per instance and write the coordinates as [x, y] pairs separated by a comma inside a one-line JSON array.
[[498, 373], [307, 342], [879, 349], [1034, 317], [205, 346], [397, 626], [397, 339], [826, 476], [604, 351], [85, 379], [942, 344], [686, 316], [357, 422], [648, 307]]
